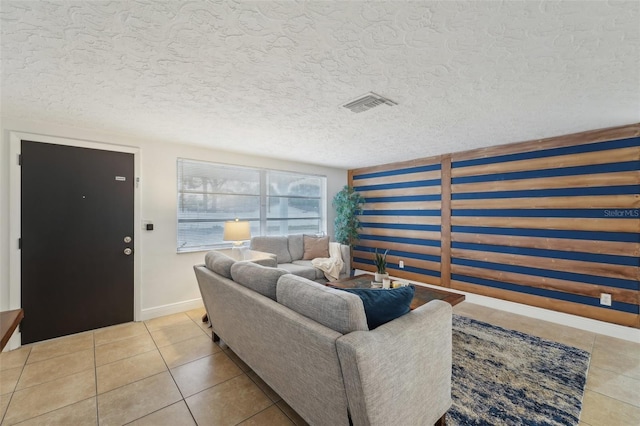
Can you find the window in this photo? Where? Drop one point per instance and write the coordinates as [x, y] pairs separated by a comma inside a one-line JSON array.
[[274, 202]]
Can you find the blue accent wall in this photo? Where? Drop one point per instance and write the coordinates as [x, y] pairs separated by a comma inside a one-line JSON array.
[[550, 223]]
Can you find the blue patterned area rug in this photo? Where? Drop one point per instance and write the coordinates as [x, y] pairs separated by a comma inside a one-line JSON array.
[[504, 377]]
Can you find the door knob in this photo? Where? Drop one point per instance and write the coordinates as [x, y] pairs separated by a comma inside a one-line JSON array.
[[128, 251], [127, 239]]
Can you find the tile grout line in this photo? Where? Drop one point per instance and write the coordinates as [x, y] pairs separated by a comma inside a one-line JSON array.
[[183, 399], [261, 411], [49, 381], [615, 399], [172, 378], [586, 377], [14, 389], [95, 372]]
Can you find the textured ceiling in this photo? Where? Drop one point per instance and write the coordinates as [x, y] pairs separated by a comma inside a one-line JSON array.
[[268, 77]]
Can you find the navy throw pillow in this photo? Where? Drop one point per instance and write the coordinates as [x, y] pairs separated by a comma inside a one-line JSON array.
[[382, 305]]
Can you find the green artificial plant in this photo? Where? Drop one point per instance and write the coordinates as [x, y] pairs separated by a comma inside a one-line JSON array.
[[348, 204], [380, 261]]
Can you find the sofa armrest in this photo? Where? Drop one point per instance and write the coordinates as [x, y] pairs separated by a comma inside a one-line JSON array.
[[400, 373], [345, 250]]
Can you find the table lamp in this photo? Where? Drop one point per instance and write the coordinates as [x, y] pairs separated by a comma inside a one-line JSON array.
[[237, 231]]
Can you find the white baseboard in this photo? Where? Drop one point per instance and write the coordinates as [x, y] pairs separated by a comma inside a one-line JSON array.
[[575, 321], [173, 308]]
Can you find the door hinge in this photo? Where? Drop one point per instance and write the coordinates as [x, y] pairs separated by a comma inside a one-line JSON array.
[[19, 159], [19, 243]]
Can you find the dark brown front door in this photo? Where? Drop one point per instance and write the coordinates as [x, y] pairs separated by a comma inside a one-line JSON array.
[[77, 210]]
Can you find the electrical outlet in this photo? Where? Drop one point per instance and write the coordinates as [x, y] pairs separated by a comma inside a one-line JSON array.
[[605, 299], [401, 264]]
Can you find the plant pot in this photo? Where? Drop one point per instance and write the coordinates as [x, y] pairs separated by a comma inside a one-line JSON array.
[[379, 277]]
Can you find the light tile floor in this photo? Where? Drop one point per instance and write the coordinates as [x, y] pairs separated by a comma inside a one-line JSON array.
[[167, 371]]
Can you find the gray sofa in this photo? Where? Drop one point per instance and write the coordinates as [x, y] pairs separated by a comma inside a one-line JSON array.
[[311, 344], [289, 251]]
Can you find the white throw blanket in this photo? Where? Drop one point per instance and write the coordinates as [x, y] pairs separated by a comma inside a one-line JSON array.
[[332, 265]]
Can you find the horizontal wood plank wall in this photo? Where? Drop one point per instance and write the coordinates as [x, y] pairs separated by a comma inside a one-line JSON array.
[[549, 223], [402, 215]]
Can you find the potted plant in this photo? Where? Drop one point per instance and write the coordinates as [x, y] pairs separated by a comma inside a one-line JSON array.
[[348, 204], [380, 260]]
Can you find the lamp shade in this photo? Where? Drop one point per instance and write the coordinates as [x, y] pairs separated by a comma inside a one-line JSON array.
[[236, 230]]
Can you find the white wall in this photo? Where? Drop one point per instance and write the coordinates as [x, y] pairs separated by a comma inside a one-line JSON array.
[[167, 279]]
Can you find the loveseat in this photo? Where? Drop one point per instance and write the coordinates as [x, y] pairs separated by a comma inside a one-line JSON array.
[[311, 344], [290, 252]]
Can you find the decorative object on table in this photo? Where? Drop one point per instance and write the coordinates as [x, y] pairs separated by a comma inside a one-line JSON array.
[[380, 260], [396, 284], [237, 231], [506, 377], [348, 204], [386, 283]]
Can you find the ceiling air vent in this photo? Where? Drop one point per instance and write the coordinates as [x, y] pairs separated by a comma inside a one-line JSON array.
[[368, 101]]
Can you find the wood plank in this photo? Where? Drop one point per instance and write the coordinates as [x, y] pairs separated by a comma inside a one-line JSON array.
[[585, 246], [405, 177], [418, 162], [574, 224], [408, 261], [413, 263], [577, 181], [591, 136], [571, 287], [404, 205], [409, 248], [554, 162], [575, 266], [401, 233], [445, 261], [601, 314], [580, 202], [411, 220], [397, 192]]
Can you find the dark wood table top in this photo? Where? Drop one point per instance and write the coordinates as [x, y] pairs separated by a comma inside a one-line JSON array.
[[9, 320], [423, 294]]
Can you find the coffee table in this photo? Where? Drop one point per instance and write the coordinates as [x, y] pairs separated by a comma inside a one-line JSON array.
[[423, 294]]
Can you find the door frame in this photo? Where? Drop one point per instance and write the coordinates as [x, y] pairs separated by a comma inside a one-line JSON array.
[[15, 212]]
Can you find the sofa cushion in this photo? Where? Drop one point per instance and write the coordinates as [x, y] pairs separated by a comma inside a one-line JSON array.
[[258, 278], [296, 247], [384, 305], [338, 310], [277, 245], [307, 264], [315, 247], [219, 263], [299, 270]]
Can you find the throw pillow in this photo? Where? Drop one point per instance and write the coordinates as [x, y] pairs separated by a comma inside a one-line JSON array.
[[382, 305], [315, 247]]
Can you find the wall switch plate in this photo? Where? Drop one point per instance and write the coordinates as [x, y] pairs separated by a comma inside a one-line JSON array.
[[605, 299], [401, 264]]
